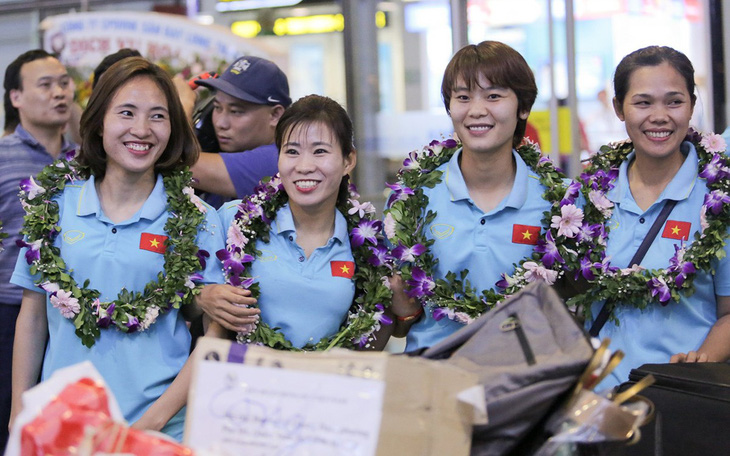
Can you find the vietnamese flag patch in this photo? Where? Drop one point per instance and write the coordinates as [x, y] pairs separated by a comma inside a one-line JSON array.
[[676, 230], [344, 269], [525, 234], [152, 242]]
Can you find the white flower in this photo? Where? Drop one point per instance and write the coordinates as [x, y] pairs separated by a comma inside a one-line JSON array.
[[534, 272], [361, 208], [150, 317], [703, 220], [49, 287], [713, 143], [628, 271], [195, 199]]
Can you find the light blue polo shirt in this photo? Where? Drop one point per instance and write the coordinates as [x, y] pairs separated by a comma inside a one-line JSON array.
[[137, 367], [300, 295], [467, 238], [658, 332]]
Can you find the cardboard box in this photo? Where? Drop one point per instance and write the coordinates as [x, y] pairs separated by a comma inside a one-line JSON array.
[[254, 400]]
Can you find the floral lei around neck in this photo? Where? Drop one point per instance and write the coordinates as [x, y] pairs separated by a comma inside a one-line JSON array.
[[131, 311], [571, 243], [639, 287], [373, 265]]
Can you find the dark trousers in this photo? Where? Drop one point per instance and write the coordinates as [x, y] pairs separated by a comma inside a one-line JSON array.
[[8, 315]]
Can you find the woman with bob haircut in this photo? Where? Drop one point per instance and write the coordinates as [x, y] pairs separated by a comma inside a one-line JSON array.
[[665, 189], [124, 254]]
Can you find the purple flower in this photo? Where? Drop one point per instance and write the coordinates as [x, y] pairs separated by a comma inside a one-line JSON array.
[[399, 193], [30, 187], [403, 253], [202, 255], [447, 143], [714, 170], [380, 315], [34, 250], [420, 284], [366, 230], [679, 266], [602, 203], [103, 316], [571, 193], [132, 323], [379, 255], [69, 155], [440, 313], [505, 282], [412, 161], [588, 232], [233, 264], [715, 200], [362, 341], [550, 251], [658, 286], [586, 266]]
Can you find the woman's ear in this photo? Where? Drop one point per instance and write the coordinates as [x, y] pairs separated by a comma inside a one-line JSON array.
[[524, 115], [350, 161], [618, 109]]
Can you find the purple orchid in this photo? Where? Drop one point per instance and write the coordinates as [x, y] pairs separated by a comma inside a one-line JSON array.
[[34, 250], [659, 287], [69, 155], [362, 341], [233, 266], [439, 313], [399, 193], [132, 323], [411, 162], [550, 251], [420, 284], [366, 230], [409, 254], [380, 315], [380, 255], [202, 255], [571, 193], [588, 232], [103, 316], [586, 267], [30, 187], [679, 266], [714, 170], [715, 201]]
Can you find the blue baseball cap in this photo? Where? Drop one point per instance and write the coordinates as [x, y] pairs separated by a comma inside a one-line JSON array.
[[252, 79]]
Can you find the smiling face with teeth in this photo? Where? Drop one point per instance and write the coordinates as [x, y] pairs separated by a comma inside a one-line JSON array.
[[485, 116], [657, 110], [136, 128], [312, 165]]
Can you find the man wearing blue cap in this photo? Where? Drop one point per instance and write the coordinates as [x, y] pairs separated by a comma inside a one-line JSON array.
[[250, 97]]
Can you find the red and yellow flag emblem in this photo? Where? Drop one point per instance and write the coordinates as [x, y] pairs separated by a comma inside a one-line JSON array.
[[344, 269], [152, 242], [525, 234], [676, 230]]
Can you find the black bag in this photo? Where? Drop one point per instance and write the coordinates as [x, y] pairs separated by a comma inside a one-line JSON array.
[[692, 406], [528, 353]]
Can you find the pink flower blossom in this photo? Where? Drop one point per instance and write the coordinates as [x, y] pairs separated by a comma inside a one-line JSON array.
[[389, 226], [235, 237], [569, 222], [67, 304], [703, 220], [535, 272], [195, 199], [713, 143], [602, 203], [634, 268]]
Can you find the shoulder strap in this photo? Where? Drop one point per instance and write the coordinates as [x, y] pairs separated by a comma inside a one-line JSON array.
[[603, 315]]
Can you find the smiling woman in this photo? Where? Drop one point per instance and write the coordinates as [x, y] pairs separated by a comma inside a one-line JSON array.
[[114, 292]]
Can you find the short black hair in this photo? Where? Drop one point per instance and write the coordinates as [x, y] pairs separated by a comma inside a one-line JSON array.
[[13, 82], [110, 60]]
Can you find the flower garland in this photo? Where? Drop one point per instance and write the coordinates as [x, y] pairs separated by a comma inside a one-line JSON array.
[[639, 287], [3, 235], [252, 222], [131, 311], [571, 243]]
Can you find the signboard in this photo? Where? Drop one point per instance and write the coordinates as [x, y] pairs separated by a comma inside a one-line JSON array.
[[82, 40]]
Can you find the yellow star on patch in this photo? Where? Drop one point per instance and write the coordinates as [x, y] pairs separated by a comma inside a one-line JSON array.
[[675, 230], [345, 270], [154, 243], [526, 235]]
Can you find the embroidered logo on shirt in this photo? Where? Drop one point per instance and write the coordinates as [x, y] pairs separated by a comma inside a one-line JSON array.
[[73, 236], [676, 230], [525, 234], [266, 255], [152, 242], [442, 230], [344, 269]]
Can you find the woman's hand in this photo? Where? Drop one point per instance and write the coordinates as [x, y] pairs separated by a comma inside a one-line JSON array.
[[231, 307], [690, 357], [406, 310]]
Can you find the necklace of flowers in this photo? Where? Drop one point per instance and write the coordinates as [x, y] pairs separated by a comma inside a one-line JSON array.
[[131, 311], [253, 221], [571, 241], [639, 287]]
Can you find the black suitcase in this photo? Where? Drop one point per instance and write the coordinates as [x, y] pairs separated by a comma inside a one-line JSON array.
[[692, 404]]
